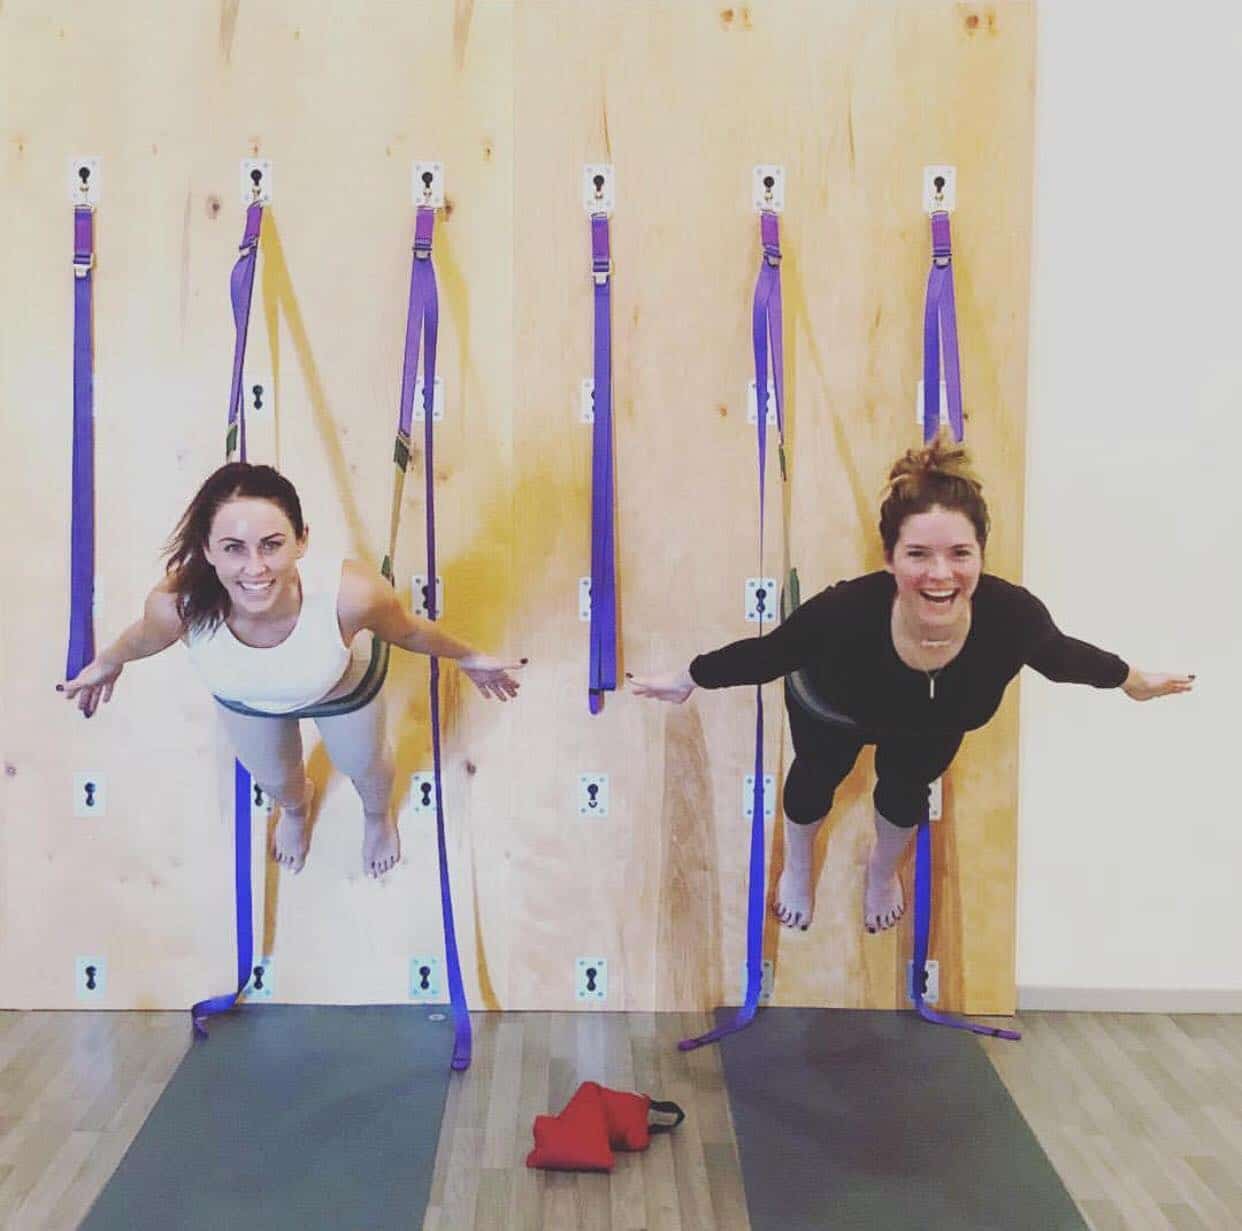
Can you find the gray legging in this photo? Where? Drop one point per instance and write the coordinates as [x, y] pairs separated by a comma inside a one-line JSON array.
[[271, 749]]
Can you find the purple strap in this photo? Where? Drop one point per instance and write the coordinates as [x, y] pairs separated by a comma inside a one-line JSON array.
[[603, 664], [766, 335], [939, 330], [81, 650], [241, 290], [423, 320], [940, 334]]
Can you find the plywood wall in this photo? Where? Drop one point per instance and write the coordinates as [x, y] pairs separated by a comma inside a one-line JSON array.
[[682, 98]]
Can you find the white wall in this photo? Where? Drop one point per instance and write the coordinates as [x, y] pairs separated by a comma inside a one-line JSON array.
[[1130, 828]]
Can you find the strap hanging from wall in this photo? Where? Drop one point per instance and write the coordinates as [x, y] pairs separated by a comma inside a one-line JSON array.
[[423, 321], [767, 339], [939, 337], [241, 289], [81, 649], [603, 664]]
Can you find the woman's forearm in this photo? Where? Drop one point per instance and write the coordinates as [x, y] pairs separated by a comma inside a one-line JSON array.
[[139, 640], [428, 638]]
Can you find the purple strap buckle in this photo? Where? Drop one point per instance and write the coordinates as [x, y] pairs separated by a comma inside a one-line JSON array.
[[942, 243], [424, 225]]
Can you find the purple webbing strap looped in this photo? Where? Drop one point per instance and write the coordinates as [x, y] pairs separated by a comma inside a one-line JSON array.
[[603, 635], [241, 291], [940, 335], [766, 337], [81, 647], [424, 319], [245, 927], [939, 332]]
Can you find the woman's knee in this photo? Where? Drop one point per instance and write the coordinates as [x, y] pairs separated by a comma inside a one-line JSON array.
[[807, 797], [903, 804]]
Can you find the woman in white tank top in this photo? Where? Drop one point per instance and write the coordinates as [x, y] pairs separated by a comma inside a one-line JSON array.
[[273, 627]]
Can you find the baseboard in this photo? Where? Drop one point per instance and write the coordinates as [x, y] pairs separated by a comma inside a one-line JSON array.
[[1130, 1000]]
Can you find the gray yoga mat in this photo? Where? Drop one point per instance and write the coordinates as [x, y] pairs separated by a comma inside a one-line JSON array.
[[291, 1117], [851, 1119]]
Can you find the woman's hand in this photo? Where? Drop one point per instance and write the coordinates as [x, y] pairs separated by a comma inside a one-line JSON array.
[[92, 685], [1144, 685], [491, 677], [674, 686]]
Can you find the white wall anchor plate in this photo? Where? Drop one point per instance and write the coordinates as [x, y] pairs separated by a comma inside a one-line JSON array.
[[262, 983], [427, 184], [437, 401], [90, 978], [762, 599], [256, 181], [932, 994], [425, 982], [598, 198], [769, 796], [593, 795], [591, 978], [767, 188], [90, 795], [418, 595], [943, 196], [84, 189]]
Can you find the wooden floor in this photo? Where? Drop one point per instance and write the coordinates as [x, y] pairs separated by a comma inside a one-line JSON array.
[[1141, 1115]]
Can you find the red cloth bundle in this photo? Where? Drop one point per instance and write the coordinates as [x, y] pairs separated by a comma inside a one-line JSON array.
[[595, 1122]]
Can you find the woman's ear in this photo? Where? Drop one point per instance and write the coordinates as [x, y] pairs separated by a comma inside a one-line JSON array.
[[304, 541]]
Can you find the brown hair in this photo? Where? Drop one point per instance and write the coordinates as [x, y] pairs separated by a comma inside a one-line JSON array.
[[201, 599], [940, 473]]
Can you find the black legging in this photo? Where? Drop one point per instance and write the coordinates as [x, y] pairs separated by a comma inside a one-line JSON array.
[[905, 765]]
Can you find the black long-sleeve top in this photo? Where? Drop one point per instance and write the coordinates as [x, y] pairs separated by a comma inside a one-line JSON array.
[[842, 640]]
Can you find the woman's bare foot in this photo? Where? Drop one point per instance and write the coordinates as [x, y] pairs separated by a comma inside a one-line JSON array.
[[794, 902], [381, 844], [883, 901], [291, 837]]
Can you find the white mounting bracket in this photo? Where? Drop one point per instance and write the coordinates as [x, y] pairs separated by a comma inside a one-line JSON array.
[[768, 973], [85, 189], [598, 197], [256, 181], [761, 599], [940, 197], [425, 981], [91, 978], [591, 978], [767, 188], [427, 184], [423, 794], [262, 981], [752, 403], [418, 599], [769, 796], [437, 401], [932, 994], [593, 795], [90, 795]]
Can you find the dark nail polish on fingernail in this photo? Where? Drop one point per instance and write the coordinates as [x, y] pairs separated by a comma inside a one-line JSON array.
[[525, 660], [61, 687]]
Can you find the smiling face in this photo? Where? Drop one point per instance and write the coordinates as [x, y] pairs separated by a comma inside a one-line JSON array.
[[936, 562], [254, 550]]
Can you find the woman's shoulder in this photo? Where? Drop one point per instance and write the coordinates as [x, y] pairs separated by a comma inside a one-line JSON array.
[[362, 590], [855, 596]]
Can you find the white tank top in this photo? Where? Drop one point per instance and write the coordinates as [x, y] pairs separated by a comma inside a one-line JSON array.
[[302, 669]]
